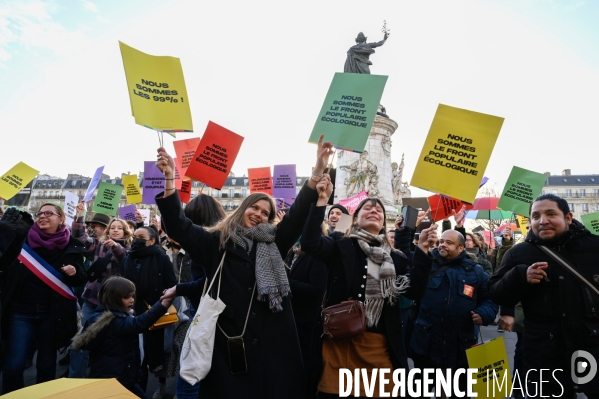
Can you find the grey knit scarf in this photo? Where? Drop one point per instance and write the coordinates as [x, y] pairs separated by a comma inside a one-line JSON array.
[[271, 278], [381, 281]]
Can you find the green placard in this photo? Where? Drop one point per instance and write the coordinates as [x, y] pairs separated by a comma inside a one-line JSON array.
[[591, 222], [349, 109], [522, 187], [107, 200]]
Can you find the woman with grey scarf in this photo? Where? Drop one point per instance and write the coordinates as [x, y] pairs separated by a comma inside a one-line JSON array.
[[256, 348], [362, 266]]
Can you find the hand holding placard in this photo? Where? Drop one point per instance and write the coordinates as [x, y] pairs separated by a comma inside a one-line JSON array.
[[166, 163]]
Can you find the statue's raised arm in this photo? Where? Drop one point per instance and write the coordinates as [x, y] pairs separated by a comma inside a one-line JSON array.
[[358, 56]]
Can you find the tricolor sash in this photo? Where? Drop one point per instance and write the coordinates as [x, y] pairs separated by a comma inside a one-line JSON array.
[[45, 272]]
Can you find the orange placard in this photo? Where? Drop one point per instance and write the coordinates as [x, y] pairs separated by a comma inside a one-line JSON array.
[[441, 206], [185, 149], [214, 156], [260, 180]]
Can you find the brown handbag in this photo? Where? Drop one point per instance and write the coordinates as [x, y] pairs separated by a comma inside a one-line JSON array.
[[344, 320]]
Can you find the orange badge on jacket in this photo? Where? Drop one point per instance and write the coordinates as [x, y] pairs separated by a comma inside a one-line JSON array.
[[468, 290]]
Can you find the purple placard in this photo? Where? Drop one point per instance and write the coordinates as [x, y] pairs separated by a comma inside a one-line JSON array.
[[128, 212], [93, 184], [484, 181], [283, 181], [283, 203], [153, 183]]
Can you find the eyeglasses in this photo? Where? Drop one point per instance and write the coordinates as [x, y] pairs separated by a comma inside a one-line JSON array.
[[47, 214]]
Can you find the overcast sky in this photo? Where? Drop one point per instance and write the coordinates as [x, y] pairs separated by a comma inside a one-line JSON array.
[[262, 70]]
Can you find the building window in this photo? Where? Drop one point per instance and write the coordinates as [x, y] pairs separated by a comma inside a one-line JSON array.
[[571, 206], [233, 181], [585, 207], [596, 192], [554, 192], [231, 193], [542, 192], [244, 192], [583, 192], [568, 192]]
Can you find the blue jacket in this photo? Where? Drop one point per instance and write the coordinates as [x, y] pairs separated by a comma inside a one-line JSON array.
[[112, 339], [444, 329]]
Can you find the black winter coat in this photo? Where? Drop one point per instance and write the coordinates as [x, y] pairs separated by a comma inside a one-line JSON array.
[[63, 310], [112, 337], [346, 263], [560, 315], [274, 362], [308, 282]]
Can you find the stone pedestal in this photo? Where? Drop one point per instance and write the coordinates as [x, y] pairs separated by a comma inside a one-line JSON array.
[[370, 171]]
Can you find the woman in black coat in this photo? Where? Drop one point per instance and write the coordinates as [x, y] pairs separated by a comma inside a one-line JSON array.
[[363, 267], [32, 312], [254, 287], [152, 272], [308, 282]]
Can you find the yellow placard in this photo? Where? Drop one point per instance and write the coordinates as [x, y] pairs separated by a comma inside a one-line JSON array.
[[15, 179], [493, 379], [157, 91], [456, 152], [523, 221], [132, 190]]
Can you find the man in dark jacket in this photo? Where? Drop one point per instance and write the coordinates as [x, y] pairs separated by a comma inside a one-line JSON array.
[[561, 313], [455, 301]]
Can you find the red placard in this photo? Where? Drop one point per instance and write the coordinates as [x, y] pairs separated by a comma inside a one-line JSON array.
[[214, 156], [185, 149], [185, 191], [441, 206], [260, 180]]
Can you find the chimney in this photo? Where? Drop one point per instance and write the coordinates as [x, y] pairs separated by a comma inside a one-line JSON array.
[[547, 173], [566, 172]]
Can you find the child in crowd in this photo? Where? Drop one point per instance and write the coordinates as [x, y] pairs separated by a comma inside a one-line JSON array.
[[111, 334]]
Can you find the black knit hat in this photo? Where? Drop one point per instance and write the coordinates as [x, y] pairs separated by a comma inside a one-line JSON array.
[[340, 207]]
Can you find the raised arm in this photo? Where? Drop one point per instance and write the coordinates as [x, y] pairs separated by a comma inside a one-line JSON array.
[[378, 44], [312, 240], [290, 228], [193, 238]]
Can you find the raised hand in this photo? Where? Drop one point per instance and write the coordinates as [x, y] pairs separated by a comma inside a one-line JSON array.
[[422, 216], [324, 188], [459, 216], [323, 152], [428, 238], [165, 163]]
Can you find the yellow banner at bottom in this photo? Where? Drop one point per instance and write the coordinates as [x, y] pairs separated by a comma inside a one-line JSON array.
[[494, 379]]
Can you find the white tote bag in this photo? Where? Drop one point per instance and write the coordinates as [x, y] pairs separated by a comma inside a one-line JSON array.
[[196, 353]]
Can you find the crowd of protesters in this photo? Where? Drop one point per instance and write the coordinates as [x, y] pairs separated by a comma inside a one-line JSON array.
[[424, 292]]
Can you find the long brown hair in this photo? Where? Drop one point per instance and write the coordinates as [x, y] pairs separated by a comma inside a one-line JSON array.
[[127, 234], [228, 226]]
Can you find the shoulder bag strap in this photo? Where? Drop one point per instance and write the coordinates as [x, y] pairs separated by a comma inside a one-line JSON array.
[[218, 270], [569, 268]]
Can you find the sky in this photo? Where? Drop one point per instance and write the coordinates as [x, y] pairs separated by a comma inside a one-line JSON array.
[[262, 70]]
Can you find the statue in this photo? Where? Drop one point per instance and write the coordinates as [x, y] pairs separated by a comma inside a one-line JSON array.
[[358, 56], [396, 181], [360, 175]]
